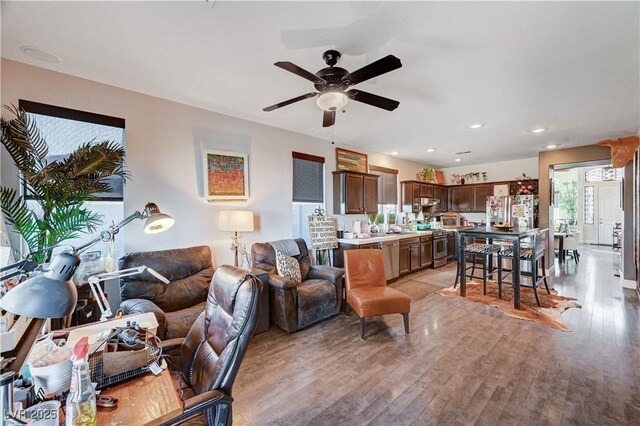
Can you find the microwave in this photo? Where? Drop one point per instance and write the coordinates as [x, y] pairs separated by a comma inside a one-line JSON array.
[[451, 220]]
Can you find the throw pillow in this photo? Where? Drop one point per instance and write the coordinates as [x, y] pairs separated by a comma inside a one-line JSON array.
[[288, 267]]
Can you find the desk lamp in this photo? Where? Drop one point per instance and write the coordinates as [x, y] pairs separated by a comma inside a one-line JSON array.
[[235, 221]]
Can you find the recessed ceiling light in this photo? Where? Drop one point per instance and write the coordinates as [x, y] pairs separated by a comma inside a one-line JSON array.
[[457, 159], [430, 150], [551, 146], [475, 125], [538, 130], [40, 55], [395, 153]]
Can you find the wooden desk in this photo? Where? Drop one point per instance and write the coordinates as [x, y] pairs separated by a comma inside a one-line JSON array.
[[144, 400]]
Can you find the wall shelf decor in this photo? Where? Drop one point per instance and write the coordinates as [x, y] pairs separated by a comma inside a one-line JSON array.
[[351, 161]]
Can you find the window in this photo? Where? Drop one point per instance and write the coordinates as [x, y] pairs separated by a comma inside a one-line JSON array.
[[64, 131], [604, 174], [387, 191], [588, 205], [308, 191]]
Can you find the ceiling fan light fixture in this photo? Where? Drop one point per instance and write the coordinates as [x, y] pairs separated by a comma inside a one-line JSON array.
[[332, 101]]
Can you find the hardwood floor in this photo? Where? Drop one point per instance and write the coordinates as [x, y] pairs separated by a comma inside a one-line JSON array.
[[463, 363]]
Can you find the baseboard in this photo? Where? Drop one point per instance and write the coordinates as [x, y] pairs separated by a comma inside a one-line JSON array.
[[628, 284]]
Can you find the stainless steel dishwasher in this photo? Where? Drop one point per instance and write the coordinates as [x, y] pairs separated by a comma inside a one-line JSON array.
[[391, 256]]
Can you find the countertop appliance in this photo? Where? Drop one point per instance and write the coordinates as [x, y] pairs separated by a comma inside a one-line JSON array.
[[451, 220], [439, 251], [391, 258]]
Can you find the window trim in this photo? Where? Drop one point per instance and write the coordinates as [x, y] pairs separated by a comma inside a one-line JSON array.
[[70, 114], [308, 157]]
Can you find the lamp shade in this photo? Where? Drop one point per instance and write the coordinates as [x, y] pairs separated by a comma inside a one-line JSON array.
[[48, 295], [332, 101], [235, 221], [156, 221]]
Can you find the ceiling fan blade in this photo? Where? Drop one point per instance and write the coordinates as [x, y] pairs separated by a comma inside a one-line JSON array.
[[371, 99], [374, 69], [300, 72], [290, 101], [328, 118]]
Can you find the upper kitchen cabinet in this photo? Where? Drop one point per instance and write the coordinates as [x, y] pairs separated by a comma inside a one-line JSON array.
[[354, 193], [413, 191], [480, 194], [460, 198]]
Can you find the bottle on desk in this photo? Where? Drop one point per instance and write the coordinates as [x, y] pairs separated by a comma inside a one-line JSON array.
[[81, 401]]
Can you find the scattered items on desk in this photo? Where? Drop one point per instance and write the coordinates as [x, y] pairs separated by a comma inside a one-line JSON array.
[[106, 401]]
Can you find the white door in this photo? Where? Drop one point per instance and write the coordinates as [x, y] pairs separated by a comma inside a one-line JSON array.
[[609, 212]]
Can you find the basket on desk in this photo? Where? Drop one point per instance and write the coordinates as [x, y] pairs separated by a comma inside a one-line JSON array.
[[110, 368]]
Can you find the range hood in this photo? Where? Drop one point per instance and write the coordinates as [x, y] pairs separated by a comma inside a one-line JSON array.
[[426, 202]]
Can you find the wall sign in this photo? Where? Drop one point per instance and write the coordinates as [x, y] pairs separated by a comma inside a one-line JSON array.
[[323, 231], [351, 161]]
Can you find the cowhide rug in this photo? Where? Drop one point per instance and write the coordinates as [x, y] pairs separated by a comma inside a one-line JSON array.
[[549, 314]]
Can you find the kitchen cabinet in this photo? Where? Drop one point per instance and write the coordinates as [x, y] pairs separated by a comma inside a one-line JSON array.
[[460, 198], [440, 193], [413, 191], [452, 245], [354, 193], [426, 251], [480, 194], [338, 253], [409, 255]]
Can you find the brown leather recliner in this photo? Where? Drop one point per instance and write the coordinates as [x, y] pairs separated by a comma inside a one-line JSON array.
[[293, 307], [367, 291], [176, 305], [211, 354]]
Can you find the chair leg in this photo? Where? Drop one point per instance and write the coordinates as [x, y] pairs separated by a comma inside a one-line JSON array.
[[534, 279], [473, 266], [457, 275], [576, 256], [484, 275], [405, 317], [347, 310], [362, 322], [499, 277], [544, 275]]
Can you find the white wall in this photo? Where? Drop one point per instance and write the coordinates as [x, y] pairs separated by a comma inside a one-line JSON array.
[[503, 170], [164, 141]]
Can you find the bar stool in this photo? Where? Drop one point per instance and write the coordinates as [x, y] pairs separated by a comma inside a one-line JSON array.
[[474, 250], [532, 254]]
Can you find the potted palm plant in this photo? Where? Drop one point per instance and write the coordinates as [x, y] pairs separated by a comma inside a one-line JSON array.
[[58, 188]]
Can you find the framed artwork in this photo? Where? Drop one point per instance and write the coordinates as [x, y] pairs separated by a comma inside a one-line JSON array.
[[226, 175], [501, 189], [351, 161]]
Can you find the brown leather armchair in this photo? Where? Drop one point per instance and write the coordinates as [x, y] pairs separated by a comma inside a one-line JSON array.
[[292, 306], [176, 305], [211, 354], [367, 290]]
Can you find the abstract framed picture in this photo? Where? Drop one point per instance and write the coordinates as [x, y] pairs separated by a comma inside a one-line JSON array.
[[226, 175]]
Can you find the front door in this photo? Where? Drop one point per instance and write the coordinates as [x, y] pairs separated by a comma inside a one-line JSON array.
[[609, 212]]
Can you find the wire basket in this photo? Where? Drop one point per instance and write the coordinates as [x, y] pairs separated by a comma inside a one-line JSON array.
[[96, 366]]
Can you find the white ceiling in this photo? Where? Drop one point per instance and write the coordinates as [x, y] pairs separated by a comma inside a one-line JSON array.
[[573, 67]]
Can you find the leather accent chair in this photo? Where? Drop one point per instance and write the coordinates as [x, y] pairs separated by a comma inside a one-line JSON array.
[[211, 354], [367, 291], [293, 307], [176, 305]]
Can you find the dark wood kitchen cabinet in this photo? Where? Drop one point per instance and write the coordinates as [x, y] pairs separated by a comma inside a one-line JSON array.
[[426, 251], [354, 193], [414, 190], [460, 198], [409, 255], [480, 194]]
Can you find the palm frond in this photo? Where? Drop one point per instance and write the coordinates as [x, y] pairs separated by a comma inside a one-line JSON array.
[[18, 215]]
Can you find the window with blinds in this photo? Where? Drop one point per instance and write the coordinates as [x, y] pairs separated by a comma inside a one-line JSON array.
[[308, 178], [387, 184]]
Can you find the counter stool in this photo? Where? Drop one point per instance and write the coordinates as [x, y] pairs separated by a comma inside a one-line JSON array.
[[474, 250], [533, 254]]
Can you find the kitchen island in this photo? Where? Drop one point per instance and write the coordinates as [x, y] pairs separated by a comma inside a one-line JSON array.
[[403, 253]]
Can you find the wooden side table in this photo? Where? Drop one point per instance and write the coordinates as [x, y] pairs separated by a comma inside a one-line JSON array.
[[263, 320]]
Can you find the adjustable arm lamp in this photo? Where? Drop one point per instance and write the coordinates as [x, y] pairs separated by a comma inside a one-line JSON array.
[[103, 303]]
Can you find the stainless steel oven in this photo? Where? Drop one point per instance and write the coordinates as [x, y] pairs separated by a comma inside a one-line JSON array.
[[439, 248]]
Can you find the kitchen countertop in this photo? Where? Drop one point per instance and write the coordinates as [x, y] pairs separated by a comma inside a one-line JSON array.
[[392, 237]]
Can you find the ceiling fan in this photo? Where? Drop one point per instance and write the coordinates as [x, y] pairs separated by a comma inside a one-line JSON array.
[[331, 83]]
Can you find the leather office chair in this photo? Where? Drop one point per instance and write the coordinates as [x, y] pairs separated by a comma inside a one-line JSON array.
[[211, 354], [293, 307], [176, 305], [367, 291]]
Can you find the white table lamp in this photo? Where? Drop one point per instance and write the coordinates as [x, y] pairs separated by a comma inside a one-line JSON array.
[[235, 221]]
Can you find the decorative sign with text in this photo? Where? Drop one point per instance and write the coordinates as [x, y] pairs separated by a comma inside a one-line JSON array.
[[323, 232]]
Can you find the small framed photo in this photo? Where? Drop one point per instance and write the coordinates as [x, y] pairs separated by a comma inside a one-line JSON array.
[[226, 175], [501, 189]]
